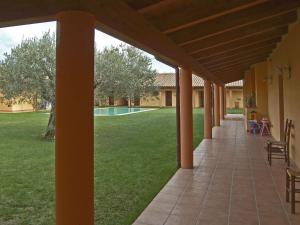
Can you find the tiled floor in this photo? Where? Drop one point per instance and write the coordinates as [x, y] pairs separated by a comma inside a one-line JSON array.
[[231, 184]]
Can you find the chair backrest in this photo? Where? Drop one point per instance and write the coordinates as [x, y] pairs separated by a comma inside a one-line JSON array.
[[288, 134], [285, 130]]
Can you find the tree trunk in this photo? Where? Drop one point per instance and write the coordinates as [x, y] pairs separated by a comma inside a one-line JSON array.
[[50, 131]]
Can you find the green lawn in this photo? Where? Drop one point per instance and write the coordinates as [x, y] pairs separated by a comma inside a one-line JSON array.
[[135, 155], [234, 111]]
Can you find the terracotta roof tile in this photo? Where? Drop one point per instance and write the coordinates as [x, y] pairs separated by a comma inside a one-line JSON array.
[[168, 80]]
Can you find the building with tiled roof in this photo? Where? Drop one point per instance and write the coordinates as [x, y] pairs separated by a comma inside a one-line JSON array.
[[168, 80], [166, 95]]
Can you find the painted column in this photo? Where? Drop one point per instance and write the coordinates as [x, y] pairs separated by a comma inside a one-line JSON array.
[[216, 105], [221, 90], [230, 99], [186, 118], [207, 109], [225, 102], [74, 144]]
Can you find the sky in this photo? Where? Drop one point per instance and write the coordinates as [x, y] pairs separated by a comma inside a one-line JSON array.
[[12, 36]]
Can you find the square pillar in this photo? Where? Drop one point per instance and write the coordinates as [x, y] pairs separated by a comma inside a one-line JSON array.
[[186, 118], [207, 109], [216, 105], [74, 141]]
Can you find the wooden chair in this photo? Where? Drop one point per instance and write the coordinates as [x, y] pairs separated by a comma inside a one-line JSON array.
[[280, 149], [292, 178]]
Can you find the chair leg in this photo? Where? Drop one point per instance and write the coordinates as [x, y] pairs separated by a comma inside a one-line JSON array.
[[293, 193], [270, 161], [287, 187]]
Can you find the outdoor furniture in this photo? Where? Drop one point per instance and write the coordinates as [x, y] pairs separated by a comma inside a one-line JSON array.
[[264, 130], [254, 127], [292, 177], [280, 149]]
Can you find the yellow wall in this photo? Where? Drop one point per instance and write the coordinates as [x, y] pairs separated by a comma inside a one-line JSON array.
[[234, 95], [16, 107], [261, 89], [286, 53], [150, 100]]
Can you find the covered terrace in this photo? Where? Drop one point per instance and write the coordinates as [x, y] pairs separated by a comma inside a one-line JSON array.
[[221, 41]]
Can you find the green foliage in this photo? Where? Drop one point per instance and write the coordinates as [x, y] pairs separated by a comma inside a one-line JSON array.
[[28, 72], [250, 100], [123, 72]]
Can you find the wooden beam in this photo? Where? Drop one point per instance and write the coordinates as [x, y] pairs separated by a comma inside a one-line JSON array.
[[230, 76], [19, 12], [248, 62], [238, 56], [234, 61], [237, 20], [237, 45], [243, 50], [245, 5], [241, 41], [158, 5], [172, 17], [229, 62], [121, 21], [278, 27]]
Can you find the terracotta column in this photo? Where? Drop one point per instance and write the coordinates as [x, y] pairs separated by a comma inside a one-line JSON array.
[[74, 156], [207, 109], [216, 105], [225, 102], [221, 92], [186, 118]]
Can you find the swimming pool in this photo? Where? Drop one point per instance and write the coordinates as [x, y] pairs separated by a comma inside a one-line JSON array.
[[118, 111]]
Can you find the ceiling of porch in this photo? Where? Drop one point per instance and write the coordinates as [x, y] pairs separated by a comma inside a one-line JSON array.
[[218, 40]]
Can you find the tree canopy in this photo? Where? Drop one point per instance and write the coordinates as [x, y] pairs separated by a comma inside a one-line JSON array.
[[27, 74], [123, 72]]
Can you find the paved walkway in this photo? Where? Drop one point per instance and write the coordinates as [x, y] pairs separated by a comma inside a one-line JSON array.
[[231, 184]]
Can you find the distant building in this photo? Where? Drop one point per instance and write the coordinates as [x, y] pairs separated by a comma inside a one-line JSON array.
[[166, 94], [17, 107]]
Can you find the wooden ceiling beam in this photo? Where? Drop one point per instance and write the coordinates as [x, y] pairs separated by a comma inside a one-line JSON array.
[[248, 63], [171, 17], [158, 5], [18, 12], [233, 21], [237, 45], [121, 21], [231, 76], [264, 33], [230, 62], [216, 14], [242, 50], [280, 27], [238, 56]]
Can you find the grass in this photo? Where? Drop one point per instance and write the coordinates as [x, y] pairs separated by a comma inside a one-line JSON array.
[[135, 155], [234, 111]]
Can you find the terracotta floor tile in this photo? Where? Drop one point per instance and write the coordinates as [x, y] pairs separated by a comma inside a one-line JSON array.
[[231, 184]]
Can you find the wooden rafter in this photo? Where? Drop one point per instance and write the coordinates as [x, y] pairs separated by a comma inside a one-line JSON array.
[[216, 15], [235, 52], [232, 65], [237, 45], [171, 17], [279, 28], [237, 20], [230, 62], [117, 18], [238, 56]]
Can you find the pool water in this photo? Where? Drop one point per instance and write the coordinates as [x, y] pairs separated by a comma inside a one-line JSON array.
[[117, 111]]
